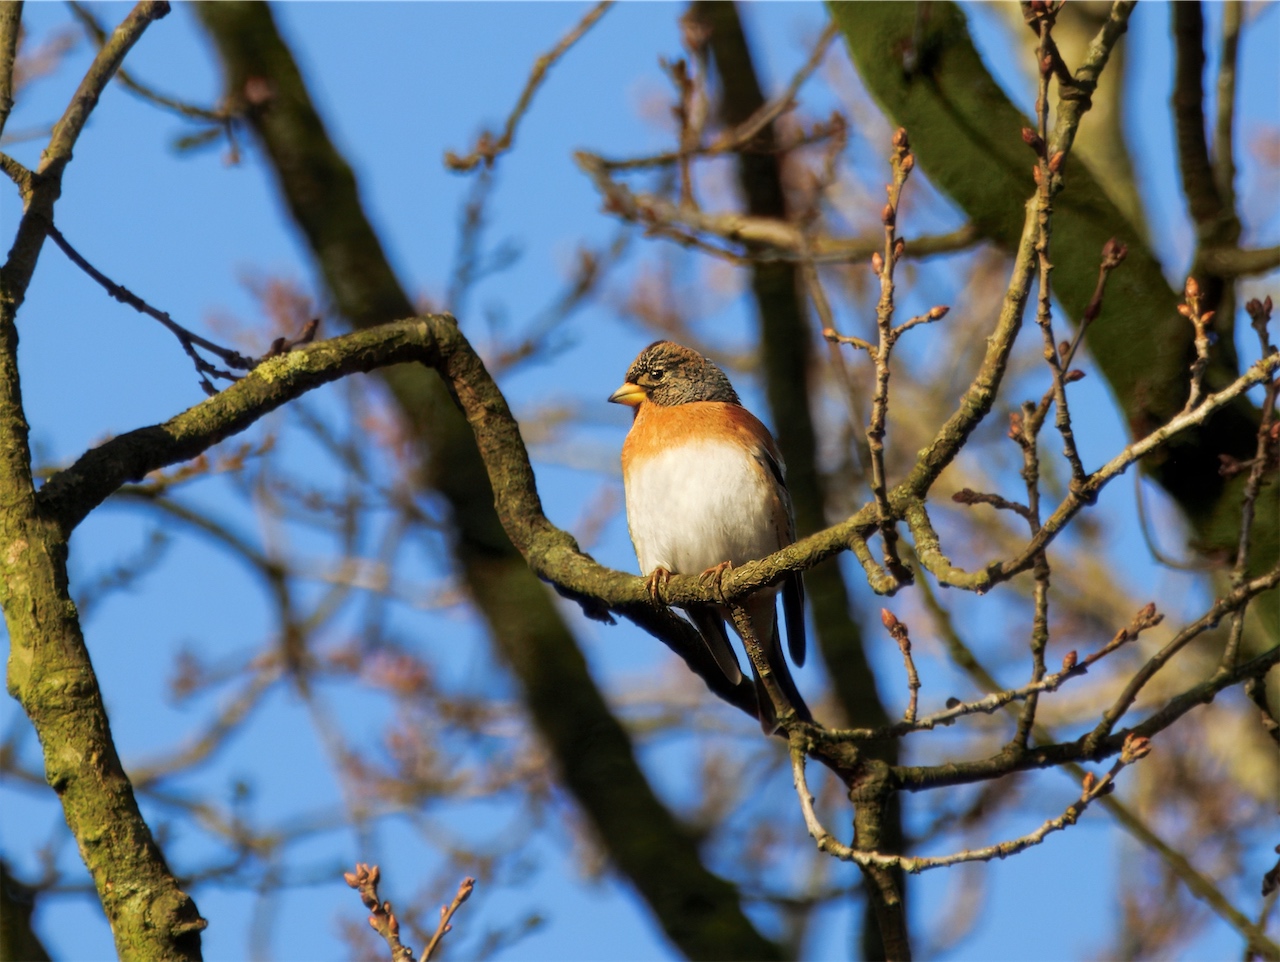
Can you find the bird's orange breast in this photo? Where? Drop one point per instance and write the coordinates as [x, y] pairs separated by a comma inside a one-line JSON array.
[[657, 428]]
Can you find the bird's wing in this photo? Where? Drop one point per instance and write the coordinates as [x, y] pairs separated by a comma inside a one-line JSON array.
[[793, 585]]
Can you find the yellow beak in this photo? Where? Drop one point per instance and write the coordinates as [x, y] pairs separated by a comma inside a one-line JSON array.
[[629, 394]]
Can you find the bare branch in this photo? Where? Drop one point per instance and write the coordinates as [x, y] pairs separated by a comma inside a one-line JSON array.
[[487, 149], [10, 24], [465, 888], [188, 339], [381, 917], [1231, 261], [1224, 165], [1135, 748], [105, 65], [221, 117], [899, 632]]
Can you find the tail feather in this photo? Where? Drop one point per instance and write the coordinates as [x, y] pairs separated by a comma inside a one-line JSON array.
[[793, 614], [711, 626], [765, 624]]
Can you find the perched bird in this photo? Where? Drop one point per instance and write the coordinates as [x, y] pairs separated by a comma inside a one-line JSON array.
[[705, 492]]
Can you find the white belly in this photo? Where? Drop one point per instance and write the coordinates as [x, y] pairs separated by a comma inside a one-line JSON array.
[[692, 507]]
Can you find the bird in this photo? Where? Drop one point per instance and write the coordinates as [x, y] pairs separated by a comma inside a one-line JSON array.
[[706, 491]]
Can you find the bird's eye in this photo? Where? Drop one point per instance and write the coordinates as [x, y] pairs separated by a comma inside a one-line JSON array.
[[657, 374]]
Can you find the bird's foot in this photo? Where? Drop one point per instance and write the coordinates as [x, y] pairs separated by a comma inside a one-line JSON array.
[[713, 578], [657, 580]]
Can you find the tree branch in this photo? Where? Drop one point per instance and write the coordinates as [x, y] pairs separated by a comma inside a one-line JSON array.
[[1230, 261], [1198, 183], [488, 149], [10, 24]]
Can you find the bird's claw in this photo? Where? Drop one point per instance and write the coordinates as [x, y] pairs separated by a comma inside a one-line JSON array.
[[657, 579], [713, 578]]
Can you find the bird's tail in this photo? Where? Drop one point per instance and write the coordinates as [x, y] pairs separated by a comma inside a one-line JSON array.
[[771, 643]]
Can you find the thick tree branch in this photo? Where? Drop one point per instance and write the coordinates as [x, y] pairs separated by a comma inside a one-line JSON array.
[[10, 22], [49, 670], [1224, 164], [1229, 261], [1198, 183]]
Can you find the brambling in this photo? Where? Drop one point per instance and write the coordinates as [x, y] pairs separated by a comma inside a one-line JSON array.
[[705, 492]]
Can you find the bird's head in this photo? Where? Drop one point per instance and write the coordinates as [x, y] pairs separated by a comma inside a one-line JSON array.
[[667, 374]]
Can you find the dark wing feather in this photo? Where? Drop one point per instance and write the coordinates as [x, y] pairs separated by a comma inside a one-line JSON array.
[[782, 674], [711, 626], [793, 586]]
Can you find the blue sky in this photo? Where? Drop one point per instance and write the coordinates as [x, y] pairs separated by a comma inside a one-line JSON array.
[[398, 84]]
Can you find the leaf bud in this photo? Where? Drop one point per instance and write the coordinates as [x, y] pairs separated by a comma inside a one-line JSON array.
[[1113, 252]]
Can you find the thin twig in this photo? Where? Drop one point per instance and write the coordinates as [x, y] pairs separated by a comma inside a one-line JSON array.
[[761, 239], [1255, 689], [189, 340], [1093, 788], [1260, 315], [1048, 177], [1072, 667], [901, 162], [1202, 887], [967, 496], [1201, 321], [1231, 602], [781, 706], [1259, 372], [465, 887], [217, 116], [899, 632], [687, 121], [487, 149], [18, 173], [382, 919], [739, 139]]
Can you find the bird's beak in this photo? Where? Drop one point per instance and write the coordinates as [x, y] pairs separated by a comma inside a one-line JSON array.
[[629, 394]]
